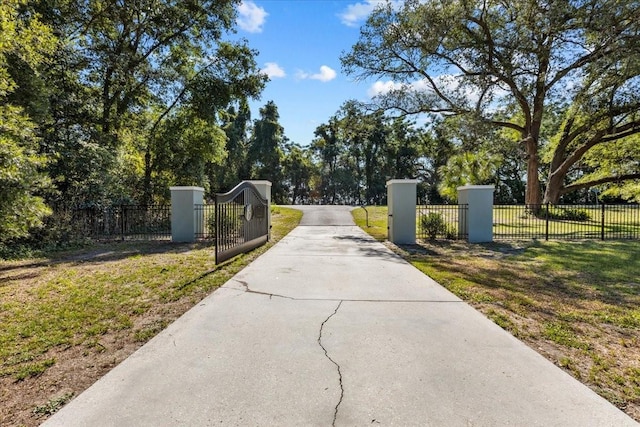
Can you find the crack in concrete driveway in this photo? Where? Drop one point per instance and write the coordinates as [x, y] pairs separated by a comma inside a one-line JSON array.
[[326, 353]]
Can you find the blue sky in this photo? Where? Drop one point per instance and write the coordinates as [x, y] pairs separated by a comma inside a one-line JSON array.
[[300, 43]]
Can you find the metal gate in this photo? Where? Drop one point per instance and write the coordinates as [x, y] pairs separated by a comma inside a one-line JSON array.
[[242, 221]]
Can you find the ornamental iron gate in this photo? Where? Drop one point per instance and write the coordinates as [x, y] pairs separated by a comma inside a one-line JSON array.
[[241, 221]]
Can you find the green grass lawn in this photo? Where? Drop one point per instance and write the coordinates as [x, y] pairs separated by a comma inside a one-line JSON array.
[[575, 302], [80, 302], [377, 226], [619, 221]]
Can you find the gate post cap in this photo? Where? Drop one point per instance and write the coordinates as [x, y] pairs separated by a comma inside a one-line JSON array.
[[477, 187], [403, 181], [186, 188], [261, 181]]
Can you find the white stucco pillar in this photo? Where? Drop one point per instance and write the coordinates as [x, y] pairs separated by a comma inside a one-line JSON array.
[[478, 222], [401, 202], [264, 188], [184, 218]]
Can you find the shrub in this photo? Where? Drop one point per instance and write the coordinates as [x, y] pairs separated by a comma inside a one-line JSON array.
[[576, 214], [570, 214], [433, 224]]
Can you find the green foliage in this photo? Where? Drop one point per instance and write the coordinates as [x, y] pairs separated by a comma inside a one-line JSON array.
[[11, 250], [629, 191], [467, 169], [614, 160], [329, 149], [576, 214], [27, 41], [20, 176], [358, 151], [569, 214], [186, 145], [132, 58], [53, 405], [298, 169], [23, 36], [236, 167], [130, 101], [266, 151], [433, 224]]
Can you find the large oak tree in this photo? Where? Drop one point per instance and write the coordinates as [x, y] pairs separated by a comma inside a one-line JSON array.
[[517, 59]]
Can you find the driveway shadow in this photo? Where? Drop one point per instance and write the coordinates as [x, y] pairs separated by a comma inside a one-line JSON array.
[[370, 247]]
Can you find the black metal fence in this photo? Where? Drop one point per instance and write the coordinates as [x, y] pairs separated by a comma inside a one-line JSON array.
[[121, 222], [205, 217], [441, 222], [236, 223], [547, 221]]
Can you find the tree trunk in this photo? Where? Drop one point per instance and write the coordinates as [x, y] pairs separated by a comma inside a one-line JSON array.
[[532, 193], [147, 192], [554, 187]]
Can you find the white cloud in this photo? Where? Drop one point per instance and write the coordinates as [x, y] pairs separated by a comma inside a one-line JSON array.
[[273, 70], [447, 83], [356, 13], [382, 88], [251, 17], [326, 74]]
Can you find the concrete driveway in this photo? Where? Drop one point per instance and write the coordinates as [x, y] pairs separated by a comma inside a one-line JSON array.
[[326, 215], [329, 328]]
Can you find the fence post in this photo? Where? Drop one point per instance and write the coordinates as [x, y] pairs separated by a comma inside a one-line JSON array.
[[602, 214], [479, 220], [184, 221], [122, 224], [546, 221], [401, 200], [216, 227]]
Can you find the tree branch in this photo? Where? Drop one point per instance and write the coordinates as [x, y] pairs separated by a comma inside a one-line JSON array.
[[583, 185], [508, 125]]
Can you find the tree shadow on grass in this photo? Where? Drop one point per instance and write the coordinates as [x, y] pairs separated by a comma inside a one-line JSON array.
[[106, 252], [487, 250], [610, 271], [583, 272]]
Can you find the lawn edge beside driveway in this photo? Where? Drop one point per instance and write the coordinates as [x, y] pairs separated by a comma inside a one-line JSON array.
[[71, 317], [577, 303]]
